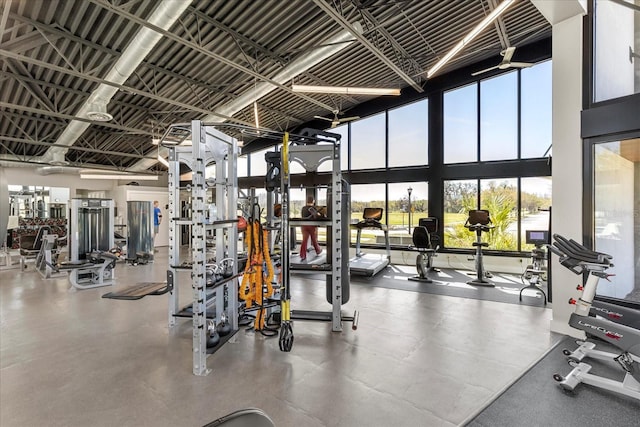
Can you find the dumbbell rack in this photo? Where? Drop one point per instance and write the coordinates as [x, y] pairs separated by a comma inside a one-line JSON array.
[[208, 146]]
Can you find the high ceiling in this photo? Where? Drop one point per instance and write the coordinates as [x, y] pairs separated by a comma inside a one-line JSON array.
[[59, 58]]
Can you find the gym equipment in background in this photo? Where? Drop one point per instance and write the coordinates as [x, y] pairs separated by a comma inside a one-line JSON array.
[[91, 238], [425, 241], [479, 221], [139, 232], [536, 271], [370, 264], [30, 245], [579, 260]]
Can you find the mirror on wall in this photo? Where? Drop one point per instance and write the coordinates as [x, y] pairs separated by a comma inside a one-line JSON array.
[[32, 201]]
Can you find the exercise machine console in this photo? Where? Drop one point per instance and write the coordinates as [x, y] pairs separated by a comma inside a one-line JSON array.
[[370, 264], [479, 221]]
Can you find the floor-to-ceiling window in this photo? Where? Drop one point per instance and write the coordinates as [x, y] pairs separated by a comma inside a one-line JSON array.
[[488, 151], [368, 140], [499, 117], [489, 125], [461, 125], [408, 137], [616, 179]]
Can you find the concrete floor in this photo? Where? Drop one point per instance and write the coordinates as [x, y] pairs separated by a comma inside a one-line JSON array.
[[72, 358]]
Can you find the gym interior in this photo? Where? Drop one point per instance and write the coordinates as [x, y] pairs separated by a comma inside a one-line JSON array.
[[319, 213]]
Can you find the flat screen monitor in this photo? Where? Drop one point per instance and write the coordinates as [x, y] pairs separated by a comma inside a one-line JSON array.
[[430, 223], [537, 237], [479, 216], [372, 214]]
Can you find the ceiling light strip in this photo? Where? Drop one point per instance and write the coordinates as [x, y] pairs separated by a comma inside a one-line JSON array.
[[344, 90], [113, 176], [495, 13]]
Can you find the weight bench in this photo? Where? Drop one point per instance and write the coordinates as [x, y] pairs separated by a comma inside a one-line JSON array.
[[140, 291]]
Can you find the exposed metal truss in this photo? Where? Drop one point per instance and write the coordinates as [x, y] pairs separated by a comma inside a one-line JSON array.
[[55, 53]]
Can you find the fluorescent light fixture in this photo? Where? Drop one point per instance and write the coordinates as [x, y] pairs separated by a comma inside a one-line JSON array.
[[155, 141], [163, 160], [114, 176], [255, 114], [469, 37], [344, 90]]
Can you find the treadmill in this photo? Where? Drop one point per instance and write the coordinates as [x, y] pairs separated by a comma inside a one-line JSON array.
[[314, 262], [370, 264]]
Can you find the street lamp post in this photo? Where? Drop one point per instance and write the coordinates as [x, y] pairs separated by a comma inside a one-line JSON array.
[[409, 190]]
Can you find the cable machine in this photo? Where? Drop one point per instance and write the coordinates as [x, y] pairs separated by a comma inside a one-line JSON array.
[[310, 150], [91, 264]]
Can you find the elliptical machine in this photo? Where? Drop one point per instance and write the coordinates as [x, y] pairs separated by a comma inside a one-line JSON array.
[[479, 221], [579, 260]]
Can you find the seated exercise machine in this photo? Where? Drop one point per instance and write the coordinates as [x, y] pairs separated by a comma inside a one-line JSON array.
[[370, 264], [47, 258], [536, 271], [425, 241], [478, 222], [580, 260], [91, 234], [30, 245]]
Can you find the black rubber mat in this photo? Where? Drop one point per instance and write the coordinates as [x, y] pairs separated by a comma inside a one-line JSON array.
[[139, 291], [452, 282], [537, 400]]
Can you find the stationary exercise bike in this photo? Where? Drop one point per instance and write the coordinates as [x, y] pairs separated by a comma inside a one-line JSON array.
[[479, 221], [426, 242], [579, 260], [536, 271], [608, 309]]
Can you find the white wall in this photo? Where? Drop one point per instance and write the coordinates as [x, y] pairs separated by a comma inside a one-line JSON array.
[[567, 160], [29, 176]]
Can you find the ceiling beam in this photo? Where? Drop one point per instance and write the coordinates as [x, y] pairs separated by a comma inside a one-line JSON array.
[[366, 43], [116, 54], [71, 117], [118, 11], [116, 85], [398, 48], [19, 69], [6, 5], [71, 148]]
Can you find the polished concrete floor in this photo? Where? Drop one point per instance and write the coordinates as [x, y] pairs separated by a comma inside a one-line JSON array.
[[72, 358]]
